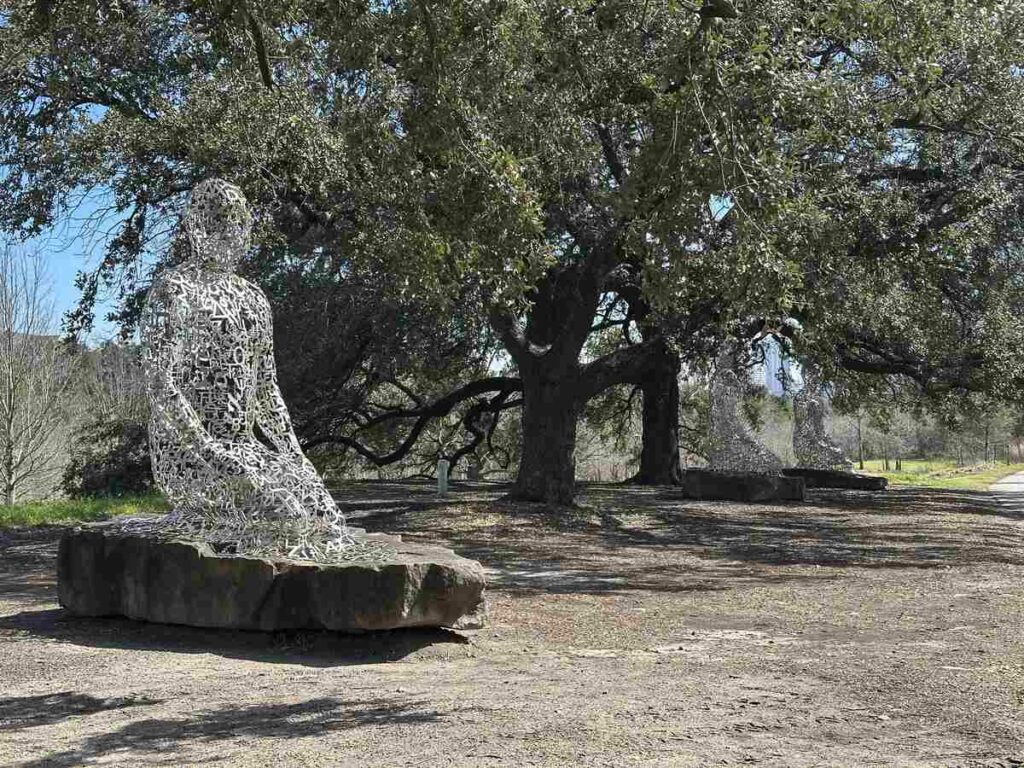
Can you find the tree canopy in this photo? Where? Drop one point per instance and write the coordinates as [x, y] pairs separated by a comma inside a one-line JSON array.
[[602, 186]]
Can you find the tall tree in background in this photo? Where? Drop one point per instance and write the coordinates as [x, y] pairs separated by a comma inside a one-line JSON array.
[[655, 175], [109, 451], [35, 377]]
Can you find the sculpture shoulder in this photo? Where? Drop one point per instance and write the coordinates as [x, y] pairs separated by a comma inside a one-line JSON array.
[[167, 297], [172, 284], [252, 295], [177, 285]]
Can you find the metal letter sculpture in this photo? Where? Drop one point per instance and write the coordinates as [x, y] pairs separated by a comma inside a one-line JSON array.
[[223, 449], [812, 446], [732, 445]]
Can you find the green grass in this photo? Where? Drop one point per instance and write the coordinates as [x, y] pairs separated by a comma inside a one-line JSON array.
[[78, 510], [943, 473]]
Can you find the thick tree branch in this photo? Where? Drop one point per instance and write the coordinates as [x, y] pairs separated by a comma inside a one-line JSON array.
[[611, 156], [915, 175], [863, 354], [471, 422], [423, 415], [628, 365], [259, 43], [511, 334]]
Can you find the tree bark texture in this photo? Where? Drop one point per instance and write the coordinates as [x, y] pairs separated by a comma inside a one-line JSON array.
[[547, 468], [659, 453]]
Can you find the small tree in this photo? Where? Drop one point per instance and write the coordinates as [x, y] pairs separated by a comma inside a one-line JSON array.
[[35, 373]]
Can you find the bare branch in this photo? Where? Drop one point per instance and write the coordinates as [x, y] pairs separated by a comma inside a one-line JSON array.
[[35, 375]]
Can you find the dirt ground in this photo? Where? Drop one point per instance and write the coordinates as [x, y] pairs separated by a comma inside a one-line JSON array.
[[642, 630]]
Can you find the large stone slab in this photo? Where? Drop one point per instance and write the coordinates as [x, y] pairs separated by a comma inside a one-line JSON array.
[[105, 572], [741, 486], [830, 478]]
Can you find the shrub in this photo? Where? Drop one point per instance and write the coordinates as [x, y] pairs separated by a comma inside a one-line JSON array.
[[109, 458]]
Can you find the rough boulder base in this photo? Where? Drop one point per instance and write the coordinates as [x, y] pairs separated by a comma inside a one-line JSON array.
[[105, 572], [828, 478], [741, 486]]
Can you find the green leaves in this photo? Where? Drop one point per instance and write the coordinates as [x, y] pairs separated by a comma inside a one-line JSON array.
[[870, 152]]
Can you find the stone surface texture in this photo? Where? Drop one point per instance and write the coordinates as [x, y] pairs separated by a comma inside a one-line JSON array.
[[741, 486], [103, 571], [828, 478]]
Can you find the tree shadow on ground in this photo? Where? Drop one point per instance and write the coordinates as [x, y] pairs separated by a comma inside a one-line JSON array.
[[357, 499], [632, 539], [901, 500], [27, 586], [165, 737], [626, 539], [27, 557], [304, 647], [30, 711], [898, 530]]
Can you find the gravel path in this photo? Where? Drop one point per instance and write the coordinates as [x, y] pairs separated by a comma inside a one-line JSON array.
[[1009, 492], [642, 630]]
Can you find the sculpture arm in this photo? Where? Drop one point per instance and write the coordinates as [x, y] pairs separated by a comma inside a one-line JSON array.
[[272, 414], [162, 345]]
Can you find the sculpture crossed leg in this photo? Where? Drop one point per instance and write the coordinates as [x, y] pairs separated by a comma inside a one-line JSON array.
[[223, 448], [733, 446], [812, 445]]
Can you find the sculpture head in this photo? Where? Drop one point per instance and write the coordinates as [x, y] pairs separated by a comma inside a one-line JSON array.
[[217, 225]]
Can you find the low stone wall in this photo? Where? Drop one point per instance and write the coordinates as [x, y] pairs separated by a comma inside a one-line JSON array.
[[830, 478], [741, 486], [103, 571]]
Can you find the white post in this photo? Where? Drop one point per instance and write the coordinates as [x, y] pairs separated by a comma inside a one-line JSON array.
[[442, 476]]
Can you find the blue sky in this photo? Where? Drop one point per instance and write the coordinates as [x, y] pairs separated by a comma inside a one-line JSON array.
[[62, 267], [76, 244]]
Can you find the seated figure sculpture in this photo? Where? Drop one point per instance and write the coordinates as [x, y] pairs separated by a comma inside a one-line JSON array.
[[223, 449], [732, 444], [812, 446]]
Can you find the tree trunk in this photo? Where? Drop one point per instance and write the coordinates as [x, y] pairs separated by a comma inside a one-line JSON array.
[[10, 489], [556, 384], [860, 442], [547, 468], [659, 455]]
